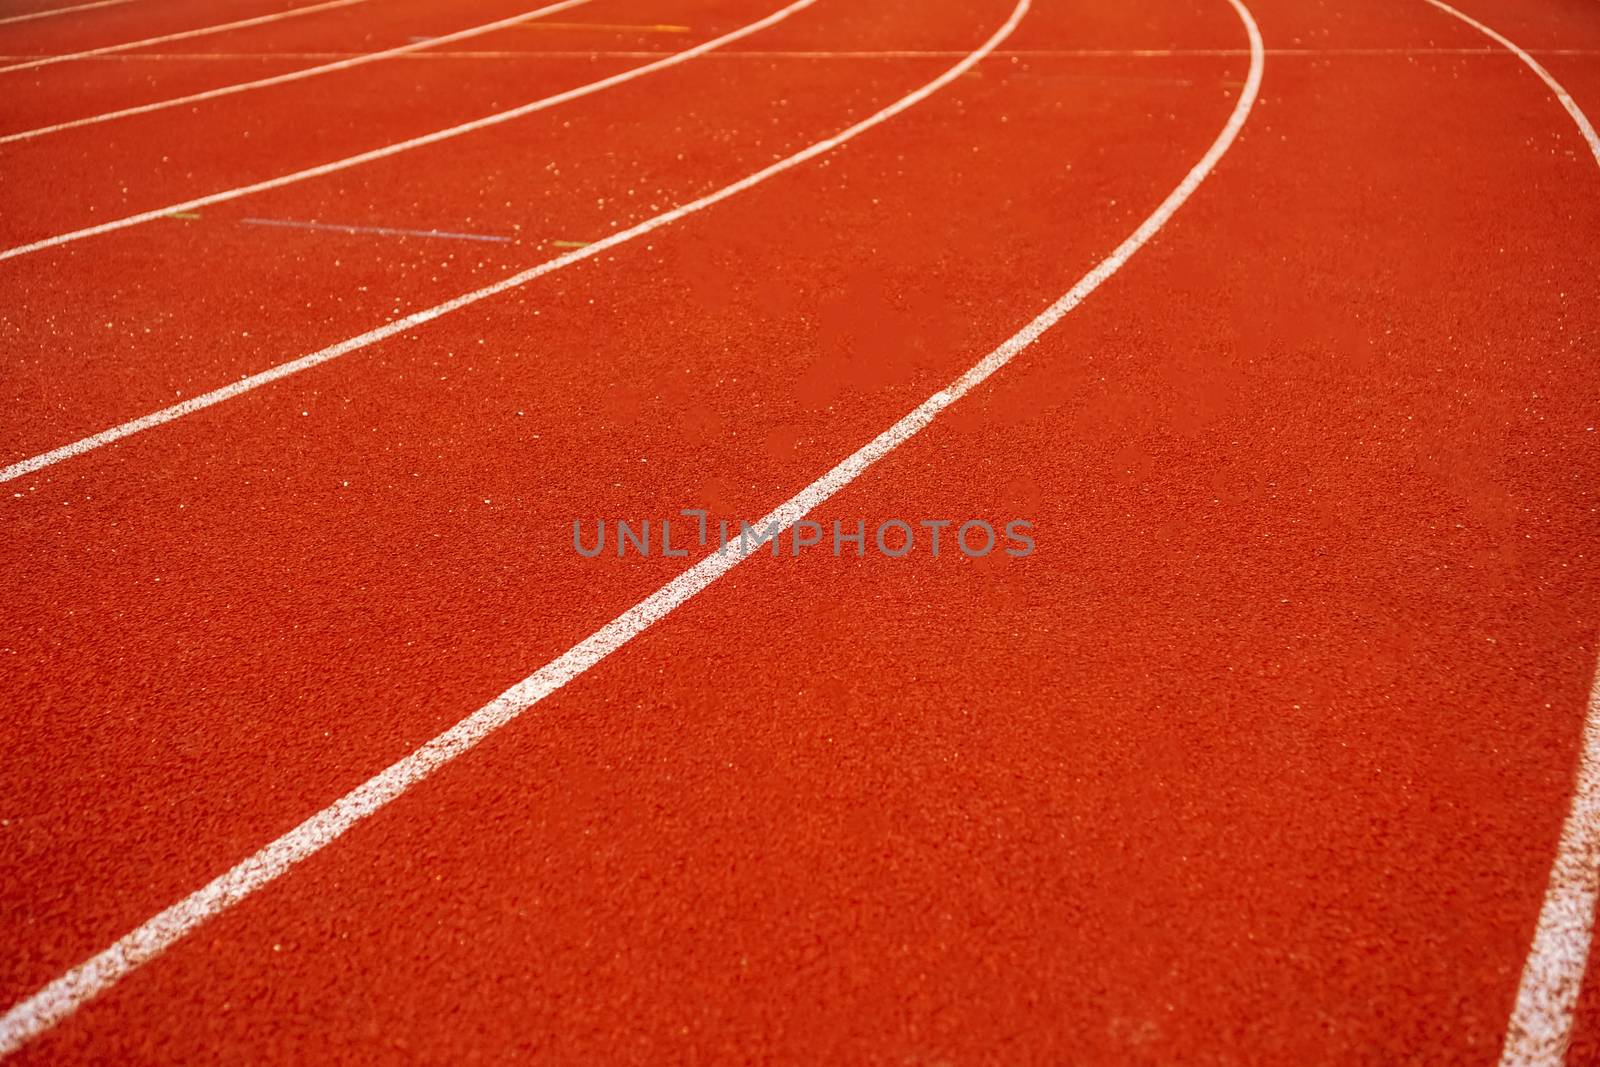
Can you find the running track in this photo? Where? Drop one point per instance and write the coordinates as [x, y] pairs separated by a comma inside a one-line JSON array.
[[1263, 756]]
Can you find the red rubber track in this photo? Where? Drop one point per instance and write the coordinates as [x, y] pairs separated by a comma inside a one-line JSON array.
[[158, 161], [1261, 757], [562, 397], [174, 332], [120, 23], [46, 95]]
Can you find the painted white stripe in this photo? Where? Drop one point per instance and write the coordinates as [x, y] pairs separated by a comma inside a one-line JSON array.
[[1541, 1019], [1585, 127], [278, 16], [297, 75], [383, 231], [295, 366], [86, 981], [900, 53], [401, 325], [48, 12], [417, 142]]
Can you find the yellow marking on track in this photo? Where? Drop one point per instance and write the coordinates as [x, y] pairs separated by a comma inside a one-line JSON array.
[[184, 215], [570, 244]]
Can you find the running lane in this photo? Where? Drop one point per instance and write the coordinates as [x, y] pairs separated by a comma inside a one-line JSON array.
[[31, 10], [1564, 41], [345, 633], [120, 25], [1261, 756], [92, 175], [124, 323], [1308, 618], [93, 86]]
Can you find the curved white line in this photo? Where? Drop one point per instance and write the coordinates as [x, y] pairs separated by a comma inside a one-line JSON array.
[[278, 16], [297, 75], [417, 318], [1541, 1020], [416, 142], [86, 981], [30, 16], [1584, 126]]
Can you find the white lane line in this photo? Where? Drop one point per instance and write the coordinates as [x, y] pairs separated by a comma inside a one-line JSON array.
[[417, 142], [277, 16], [47, 1007], [30, 16], [1585, 127], [64, 995], [417, 318], [386, 231], [937, 53], [1541, 1019], [297, 75]]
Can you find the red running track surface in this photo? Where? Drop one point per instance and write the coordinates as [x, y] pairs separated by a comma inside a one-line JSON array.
[[1262, 756]]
